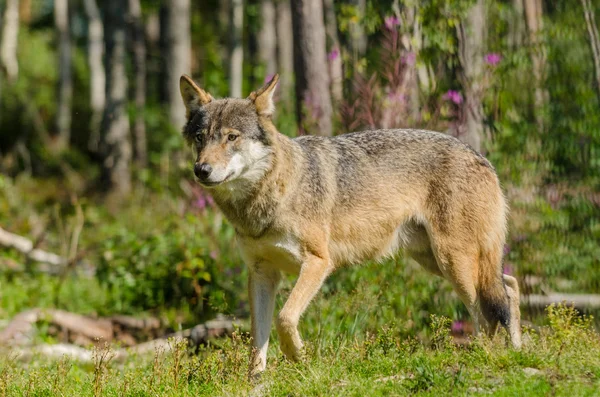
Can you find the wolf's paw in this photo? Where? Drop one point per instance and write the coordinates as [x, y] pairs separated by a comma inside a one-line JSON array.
[[290, 342], [291, 346], [289, 338]]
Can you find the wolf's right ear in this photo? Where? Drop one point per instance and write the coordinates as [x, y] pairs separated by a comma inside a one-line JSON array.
[[192, 95]]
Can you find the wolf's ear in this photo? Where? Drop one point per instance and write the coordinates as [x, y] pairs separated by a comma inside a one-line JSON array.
[[192, 95], [263, 98]]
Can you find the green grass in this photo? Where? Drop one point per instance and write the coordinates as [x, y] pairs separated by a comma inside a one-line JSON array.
[[562, 359]]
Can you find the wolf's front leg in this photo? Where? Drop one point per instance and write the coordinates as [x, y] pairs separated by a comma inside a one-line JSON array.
[[312, 275], [262, 286]]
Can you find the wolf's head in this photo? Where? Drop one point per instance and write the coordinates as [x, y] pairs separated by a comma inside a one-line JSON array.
[[231, 138]]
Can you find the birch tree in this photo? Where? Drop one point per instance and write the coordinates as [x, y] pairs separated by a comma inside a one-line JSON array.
[[95, 51], [471, 33], [285, 47], [139, 62], [267, 37], [10, 34], [334, 52], [65, 81], [313, 100], [115, 144], [176, 32], [533, 17], [594, 38], [236, 51]]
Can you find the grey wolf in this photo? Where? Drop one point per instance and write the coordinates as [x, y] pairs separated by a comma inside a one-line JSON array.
[[311, 205]]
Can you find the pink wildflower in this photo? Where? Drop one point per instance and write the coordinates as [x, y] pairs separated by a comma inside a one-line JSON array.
[[453, 96], [493, 58], [391, 22], [333, 55]]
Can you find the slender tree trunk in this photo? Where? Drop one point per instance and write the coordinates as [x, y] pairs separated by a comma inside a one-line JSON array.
[[65, 83], [358, 38], [590, 21], [267, 37], [285, 47], [177, 46], [411, 39], [139, 55], [471, 39], [236, 51], [97, 73], [10, 34], [334, 55], [116, 144], [154, 63], [313, 100], [533, 14], [516, 29]]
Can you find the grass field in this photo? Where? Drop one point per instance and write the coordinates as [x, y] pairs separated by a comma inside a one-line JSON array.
[[562, 358]]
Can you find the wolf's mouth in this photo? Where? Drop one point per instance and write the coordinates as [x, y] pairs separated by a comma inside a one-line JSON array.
[[212, 184]]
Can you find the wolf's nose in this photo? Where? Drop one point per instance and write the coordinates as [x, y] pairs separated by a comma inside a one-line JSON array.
[[203, 170]]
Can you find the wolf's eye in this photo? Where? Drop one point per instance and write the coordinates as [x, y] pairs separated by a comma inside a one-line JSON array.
[[198, 137], [231, 137]]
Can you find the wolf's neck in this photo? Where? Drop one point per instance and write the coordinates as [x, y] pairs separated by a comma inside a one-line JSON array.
[[252, 209]]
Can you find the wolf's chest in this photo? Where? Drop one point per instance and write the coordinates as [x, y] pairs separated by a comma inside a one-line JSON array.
[[283, 252]]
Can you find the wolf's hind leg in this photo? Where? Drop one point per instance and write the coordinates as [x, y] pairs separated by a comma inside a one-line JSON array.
[[514, 327], [312, 275]]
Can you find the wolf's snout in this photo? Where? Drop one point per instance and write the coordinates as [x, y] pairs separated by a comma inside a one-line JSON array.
[[203, 170]]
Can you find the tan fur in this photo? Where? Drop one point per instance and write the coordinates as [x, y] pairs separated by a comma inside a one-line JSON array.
[[312, 205]]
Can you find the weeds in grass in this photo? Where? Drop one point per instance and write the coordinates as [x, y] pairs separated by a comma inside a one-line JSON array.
[[101, 356], [62, 369]]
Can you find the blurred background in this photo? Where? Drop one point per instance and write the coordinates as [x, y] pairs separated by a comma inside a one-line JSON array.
[[99, 214]]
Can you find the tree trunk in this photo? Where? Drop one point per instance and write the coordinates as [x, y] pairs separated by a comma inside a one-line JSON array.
[[590, 21], [285, 47], [313, 101], [533, 14], [10, 34], [116, 145], [358, 38], [97, 73], [176, 32], [516, 27], [236, 51], [139, 55], [412, 41], [334, 55], [471, 39], [267, 37], [65, 83]]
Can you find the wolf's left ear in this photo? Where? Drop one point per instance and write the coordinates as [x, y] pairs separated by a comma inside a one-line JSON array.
[[263, 98], [192, 95]]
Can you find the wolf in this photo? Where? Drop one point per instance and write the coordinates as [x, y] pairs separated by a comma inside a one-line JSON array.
[[311, 205]]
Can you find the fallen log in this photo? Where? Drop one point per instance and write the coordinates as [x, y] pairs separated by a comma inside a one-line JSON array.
[[197, 335], [578, 301], [20, 330], [50, 263], [25, 246]]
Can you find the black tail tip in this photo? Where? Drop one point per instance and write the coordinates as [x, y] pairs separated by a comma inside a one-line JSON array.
[[496, 310]]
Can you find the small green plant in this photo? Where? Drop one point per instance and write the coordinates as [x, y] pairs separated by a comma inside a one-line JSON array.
[[440, 328], [101, 357]]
